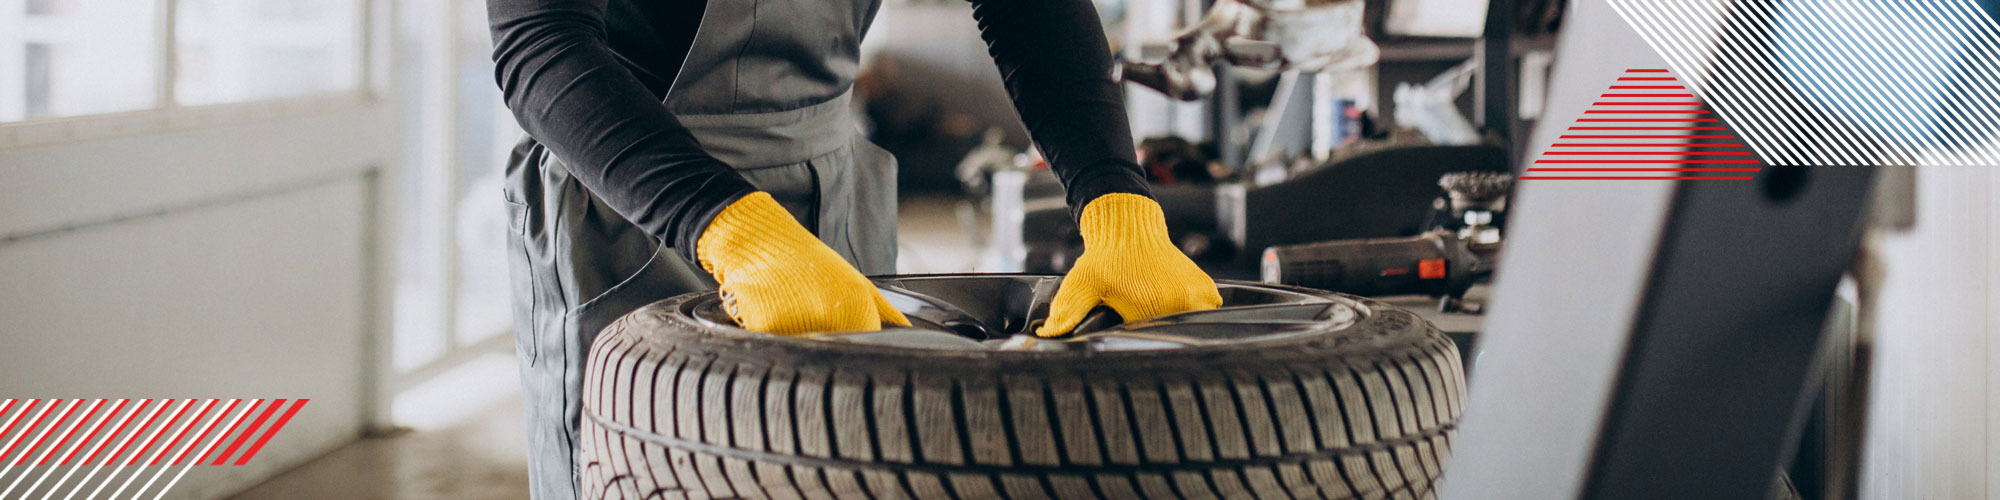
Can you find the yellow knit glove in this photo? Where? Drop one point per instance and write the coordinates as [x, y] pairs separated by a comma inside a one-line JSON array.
[[778, 278], [1130, 264]]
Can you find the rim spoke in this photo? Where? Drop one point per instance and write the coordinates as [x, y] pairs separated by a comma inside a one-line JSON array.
[[938, 313], [1253, 314], [1000, 312], [916, 338]]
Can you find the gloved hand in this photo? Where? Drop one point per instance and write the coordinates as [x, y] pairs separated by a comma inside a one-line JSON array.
[[1130, 264], [778, 278]]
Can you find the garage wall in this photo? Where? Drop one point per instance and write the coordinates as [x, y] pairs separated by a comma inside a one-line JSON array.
[[1935, 425], [237, 261]]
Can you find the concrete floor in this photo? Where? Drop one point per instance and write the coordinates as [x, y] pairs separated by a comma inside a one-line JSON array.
[[484, 456]]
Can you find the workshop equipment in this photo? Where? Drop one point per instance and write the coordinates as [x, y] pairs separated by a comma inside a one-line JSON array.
[[1657, 339], [1304, 35], [1444, 262], [1477, 203], [1281, 393], [1438, 264], [1225, 227]]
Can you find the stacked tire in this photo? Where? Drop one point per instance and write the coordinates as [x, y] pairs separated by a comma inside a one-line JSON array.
[[677, 407]]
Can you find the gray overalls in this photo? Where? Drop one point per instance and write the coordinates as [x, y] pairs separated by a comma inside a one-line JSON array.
[[765, 88]]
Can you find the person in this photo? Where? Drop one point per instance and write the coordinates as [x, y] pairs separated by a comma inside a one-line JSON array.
[[678, 145]]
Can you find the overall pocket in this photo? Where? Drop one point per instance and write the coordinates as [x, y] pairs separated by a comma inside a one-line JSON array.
[[521, 277], [872, 224], [796, 186]]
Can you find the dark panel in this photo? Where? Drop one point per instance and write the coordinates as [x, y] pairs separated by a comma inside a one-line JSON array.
[[1716, 381]]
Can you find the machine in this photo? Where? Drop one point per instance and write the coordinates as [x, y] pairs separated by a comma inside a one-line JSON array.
[[1225, 227], [1672, 357], [1303, 35], [1444, 263]]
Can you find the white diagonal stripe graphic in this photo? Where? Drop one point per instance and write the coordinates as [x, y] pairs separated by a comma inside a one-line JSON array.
[[1768, 72], [6, 462], [51, 451], [210, 426], [1680, 31], [1983, 50], [141, 469], [72, 449], [1963, 97], [1831, 82], [85, 482], [1897, 48], [205, 451], [1819, 68], [9, 426], [74, 434], [45, 432], [1680, 47], [1739, 79], [1769, 126], [164, 425], [1857, 55], [53, 488]]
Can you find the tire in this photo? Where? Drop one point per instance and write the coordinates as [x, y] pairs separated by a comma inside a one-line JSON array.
[[677, 405]]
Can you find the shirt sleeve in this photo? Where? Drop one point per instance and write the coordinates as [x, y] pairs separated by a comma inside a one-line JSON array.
[[569, 91], [1056, 63]]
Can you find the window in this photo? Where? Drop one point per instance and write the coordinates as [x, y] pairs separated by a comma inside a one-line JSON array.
[[77, 57], [238, 50], [62, 58]]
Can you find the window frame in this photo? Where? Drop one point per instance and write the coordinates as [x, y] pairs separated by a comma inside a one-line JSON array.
[[168, 115]]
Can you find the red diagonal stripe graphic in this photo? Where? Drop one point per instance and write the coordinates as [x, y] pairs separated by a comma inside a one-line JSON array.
[[30, 429], [205, 431], [1672, 120], [1648, 128], [1634, 153], [1649, 137], [1638, 114], [9, 426], [184, 429], [70, 432], [1646, 145], [85, 482], [1645, 161], [161, 431], [93, 433], [1644, 169], [24, 431], [280, 424], [245, 435], [1647, 111], [129, 438], [45, 432]]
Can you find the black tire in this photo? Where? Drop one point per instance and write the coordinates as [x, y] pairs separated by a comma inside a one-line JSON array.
[[679, 407]]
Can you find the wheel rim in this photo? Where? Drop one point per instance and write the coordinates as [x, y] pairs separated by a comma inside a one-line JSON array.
[[1000, 312]]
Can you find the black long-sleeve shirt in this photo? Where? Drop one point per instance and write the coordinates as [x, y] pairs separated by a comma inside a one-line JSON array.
[[586, 78]]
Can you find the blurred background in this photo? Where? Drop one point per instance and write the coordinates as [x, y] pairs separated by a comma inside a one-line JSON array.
[[301, 199]]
